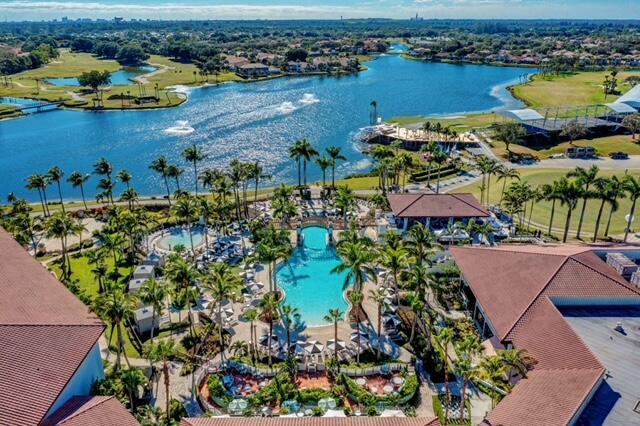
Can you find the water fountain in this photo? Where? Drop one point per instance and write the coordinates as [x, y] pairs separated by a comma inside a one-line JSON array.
[[181, 128]]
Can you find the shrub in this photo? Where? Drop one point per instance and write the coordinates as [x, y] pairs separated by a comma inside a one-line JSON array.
[[216, 388], [372, 411], [313, 395]]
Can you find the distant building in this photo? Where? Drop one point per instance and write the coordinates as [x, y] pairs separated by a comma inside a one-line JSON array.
[[253, 70]]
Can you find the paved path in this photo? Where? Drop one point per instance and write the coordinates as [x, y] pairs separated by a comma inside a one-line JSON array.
[[633, 162]]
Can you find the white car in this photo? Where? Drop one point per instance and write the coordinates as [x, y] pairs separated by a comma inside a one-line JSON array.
[[557, 156]]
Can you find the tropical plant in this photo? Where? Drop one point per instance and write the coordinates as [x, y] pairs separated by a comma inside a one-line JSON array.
[[345, 202], [60, 225], [444, 338], [569, 193], [357, 264], [153, 293], [161, 166], [269, 312], [40, 182], [421, 242], [632, 122], [307, 152], [509, 133], [324, 163], [133, 379], [116, 307], [56, 174], [77, 180], [378, 296], [631, 186], [162, 351], [104, 168], [573, 130], [125, 177], [355, 298], [288, 315], [333, 316], [616, 188], [516, 361], [335, 154], [585, 178], [193, 154], [187, 209]]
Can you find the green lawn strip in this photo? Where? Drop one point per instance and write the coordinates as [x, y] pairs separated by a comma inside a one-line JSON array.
[[583, 88], [462, 123], [604, 146], [542, 210]]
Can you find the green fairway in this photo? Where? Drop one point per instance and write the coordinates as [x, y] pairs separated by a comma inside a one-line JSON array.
[[542, 210], [460, 124], [583, 88]]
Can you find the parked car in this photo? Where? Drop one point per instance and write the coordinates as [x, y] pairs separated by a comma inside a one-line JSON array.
[[619, 155], [557, 156]]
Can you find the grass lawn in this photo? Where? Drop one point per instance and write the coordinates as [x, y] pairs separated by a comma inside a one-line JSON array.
[[458, 123], [604, 146], [542, 210], [583, 88]]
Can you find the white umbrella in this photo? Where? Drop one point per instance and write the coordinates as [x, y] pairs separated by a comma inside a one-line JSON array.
[[299, 348], [331, 345], [364, 338], [238, 405], [313, 347], [327, 404], [334, 413], [254, 288], [264, 341]]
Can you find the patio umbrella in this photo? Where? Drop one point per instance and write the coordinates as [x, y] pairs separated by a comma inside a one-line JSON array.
[[313, 347], [391, 320], [292, 405], [327, 404], [264, 341], [299, 348], [334, 413], [255, 287], [364, 338], [331, 345], [238, 405], [383, 345]]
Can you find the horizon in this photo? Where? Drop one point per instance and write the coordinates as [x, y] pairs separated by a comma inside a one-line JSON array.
[[225, 10]]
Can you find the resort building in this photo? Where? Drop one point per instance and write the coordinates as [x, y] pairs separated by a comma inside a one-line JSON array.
[[49, 352], [574, 314], [435, 211], [253, 70]]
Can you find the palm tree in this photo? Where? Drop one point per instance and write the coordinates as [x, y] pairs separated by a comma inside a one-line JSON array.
[[194, 154], [345, 201], [77, 180], [125, 177], [324, 163], [307, 152], [104, 168], [355, 298], [335, 155], [187, 209], [251, 315], [444, 338], [132, 379], [162, 351], [378, 295], [440, 157], [585, 178], [334, 315], [26, 227], [505, 174], [61, 225], [269, 251], [284, 209], [161, 165], [616, 188], [288, 315], [632, 187], [56, 174], [357, 262], [223, 284], [549, 192], [295, 152], [40, 182], [429, 149], [516, 360], [421, 242], [116, 308], [493, 370], [269, 312], [464, 367], [97, 258], [569, 193], [417, 306], [602, 193], [256, 172], [487, 166], [396, 260], [174, 172], [153, 293]]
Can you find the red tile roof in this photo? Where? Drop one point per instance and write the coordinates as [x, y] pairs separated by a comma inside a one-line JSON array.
[[436, 205], [516, 287], [45, 335], [311, 421], [91, 411]]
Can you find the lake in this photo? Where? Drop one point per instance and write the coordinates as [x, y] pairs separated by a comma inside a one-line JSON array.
[[255, 121], [123, 77]]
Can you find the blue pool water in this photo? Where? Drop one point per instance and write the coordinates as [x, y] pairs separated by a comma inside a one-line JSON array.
[[123, 77], [307, 279], [256, 121], [179, 236]]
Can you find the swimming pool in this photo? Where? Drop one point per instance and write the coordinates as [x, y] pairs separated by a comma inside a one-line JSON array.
[[307, 279], [180, 236]]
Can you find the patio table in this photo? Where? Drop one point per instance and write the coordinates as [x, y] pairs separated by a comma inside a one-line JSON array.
[[387, 388], [361, 381], [397, 380]]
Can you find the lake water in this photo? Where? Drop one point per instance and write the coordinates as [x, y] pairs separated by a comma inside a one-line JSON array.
[[256, 121], [123, 77]]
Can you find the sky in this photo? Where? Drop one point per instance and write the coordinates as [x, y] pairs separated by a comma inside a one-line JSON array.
[[319, 9]]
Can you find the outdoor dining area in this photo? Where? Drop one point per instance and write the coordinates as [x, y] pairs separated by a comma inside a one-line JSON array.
[[380, 384]]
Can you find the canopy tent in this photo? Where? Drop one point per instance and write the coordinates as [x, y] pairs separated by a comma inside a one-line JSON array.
[[522, 114], [631, 98], [238, 406], [327, 404], [622, 108]]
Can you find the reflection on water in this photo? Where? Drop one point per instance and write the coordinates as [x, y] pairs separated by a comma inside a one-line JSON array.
[[252, 122]]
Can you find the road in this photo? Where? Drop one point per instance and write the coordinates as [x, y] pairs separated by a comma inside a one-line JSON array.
[[632, 163]]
